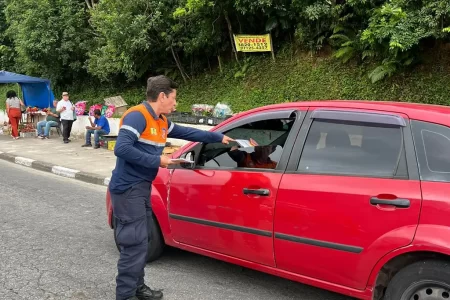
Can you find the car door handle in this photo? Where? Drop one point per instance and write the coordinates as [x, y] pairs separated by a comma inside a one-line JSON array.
[[259, 192], [400, 203]]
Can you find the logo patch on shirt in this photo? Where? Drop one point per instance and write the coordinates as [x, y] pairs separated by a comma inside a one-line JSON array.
[[164, 133], [153, 131]]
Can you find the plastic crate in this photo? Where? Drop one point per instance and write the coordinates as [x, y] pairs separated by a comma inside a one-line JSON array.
[[216, 121], [212, 121], [111, 145], [188, 119], [175, 117], [105, 140], [27, 134], [202, 120]]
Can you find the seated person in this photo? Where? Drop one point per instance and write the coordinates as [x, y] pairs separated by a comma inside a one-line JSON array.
[[99, 127], [259, 159], [52, 120]]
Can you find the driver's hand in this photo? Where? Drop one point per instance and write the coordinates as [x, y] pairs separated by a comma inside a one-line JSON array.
[[253, 142], [234, 148]]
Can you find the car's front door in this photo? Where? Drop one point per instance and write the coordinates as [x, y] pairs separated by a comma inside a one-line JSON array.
[[351, 194], [224, 208]]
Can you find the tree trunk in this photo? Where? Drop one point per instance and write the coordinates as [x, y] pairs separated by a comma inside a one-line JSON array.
[[230, 31], [220, 63], [192, 65], [181, 65], [175, 57], [240, 25], [90, 3]]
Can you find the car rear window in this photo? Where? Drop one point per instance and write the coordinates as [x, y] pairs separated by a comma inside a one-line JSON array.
[[354, 149], [433, 150]]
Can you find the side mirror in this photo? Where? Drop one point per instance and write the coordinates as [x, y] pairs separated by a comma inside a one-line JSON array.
[[188, 156], [187, 166]]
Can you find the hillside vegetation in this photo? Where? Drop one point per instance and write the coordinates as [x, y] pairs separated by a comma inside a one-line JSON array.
[[291, 79], [300, 78]]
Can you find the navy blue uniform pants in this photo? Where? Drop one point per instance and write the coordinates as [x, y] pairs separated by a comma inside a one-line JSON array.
[[132, 213]]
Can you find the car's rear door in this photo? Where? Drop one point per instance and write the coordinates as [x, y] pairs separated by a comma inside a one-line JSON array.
[[351, 194], [220, 207]]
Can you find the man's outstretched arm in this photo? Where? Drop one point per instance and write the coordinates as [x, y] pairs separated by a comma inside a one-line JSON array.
[[196, 135]]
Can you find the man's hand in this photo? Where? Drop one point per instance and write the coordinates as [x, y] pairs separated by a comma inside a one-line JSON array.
[[165, 161], [226, 140], [88, 127]]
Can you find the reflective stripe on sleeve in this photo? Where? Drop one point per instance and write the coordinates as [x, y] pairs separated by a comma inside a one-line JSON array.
[[129, 128], [172, 125]]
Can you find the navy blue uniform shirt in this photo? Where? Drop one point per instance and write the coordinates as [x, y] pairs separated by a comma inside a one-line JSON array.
[[138, 161]]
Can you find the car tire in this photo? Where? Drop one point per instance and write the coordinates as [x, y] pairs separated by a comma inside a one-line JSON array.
[[429, 279], [156, 244]]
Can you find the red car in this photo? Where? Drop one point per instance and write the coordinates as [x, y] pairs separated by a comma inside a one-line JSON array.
[[351, 196]]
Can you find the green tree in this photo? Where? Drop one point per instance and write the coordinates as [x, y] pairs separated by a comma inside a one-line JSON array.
[[6, 46], [395, 35], [113, 40], [122, 41], [50, 37], [398, 29]]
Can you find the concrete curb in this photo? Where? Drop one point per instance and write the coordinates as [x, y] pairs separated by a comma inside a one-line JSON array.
[[57, 170]]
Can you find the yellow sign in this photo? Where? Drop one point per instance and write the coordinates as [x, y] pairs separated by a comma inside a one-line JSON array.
[[253, 43]]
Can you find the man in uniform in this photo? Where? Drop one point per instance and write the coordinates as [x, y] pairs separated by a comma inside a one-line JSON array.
[[140, 143]]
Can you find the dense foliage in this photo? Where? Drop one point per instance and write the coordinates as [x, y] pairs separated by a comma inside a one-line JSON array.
[[74, 42], [46, 37]]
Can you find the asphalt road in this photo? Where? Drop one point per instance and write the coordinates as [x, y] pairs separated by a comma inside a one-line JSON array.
[[55, 244]]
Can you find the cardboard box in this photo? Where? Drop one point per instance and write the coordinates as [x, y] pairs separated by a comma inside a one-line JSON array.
[[120, 104]]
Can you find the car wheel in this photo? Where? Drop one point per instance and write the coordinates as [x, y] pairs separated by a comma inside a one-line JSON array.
[[155, 245], [424, 280]]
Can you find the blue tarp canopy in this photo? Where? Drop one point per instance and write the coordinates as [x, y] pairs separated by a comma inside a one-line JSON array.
[[36, 91]]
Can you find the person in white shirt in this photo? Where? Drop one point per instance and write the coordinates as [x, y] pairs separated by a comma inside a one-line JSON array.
[[66, 110]]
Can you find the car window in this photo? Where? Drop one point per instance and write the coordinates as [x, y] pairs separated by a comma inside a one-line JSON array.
[[433, 150], [270, 135], [354, 149]]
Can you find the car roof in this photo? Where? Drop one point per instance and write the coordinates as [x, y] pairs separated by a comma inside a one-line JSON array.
[[416, 111]]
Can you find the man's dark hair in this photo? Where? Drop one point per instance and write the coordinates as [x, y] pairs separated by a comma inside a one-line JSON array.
[[159, 84], [11, 94], [97, 112]]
